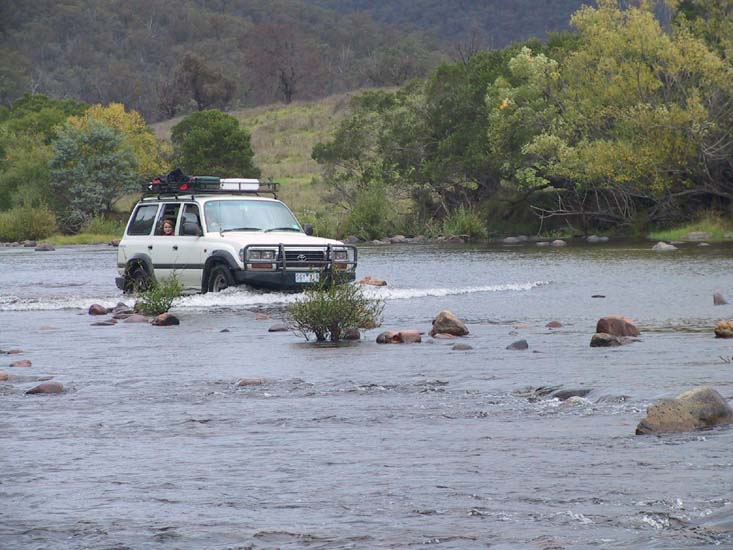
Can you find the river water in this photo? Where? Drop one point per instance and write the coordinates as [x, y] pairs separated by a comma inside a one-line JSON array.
[[155, 446]]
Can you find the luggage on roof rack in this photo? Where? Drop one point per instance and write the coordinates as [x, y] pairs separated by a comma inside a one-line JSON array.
[[176, 183]]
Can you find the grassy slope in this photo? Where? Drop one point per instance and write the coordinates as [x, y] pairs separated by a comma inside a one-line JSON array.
[[283, 137]]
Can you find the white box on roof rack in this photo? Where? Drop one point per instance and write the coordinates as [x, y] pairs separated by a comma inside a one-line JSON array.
[[239, 184]]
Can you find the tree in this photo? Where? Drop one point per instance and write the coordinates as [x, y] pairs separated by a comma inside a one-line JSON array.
[[206, 85], [136, 135], [91, 167], [212, 142]]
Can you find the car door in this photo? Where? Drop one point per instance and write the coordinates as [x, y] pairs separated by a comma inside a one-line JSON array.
[[189, 263], [162, 248]]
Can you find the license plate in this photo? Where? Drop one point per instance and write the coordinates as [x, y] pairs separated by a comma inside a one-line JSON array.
[[307, 277]]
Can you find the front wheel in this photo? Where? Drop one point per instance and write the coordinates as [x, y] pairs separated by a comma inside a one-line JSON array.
[[220, 278]]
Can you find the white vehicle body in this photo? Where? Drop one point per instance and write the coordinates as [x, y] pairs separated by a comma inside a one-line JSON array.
[[225, 237]]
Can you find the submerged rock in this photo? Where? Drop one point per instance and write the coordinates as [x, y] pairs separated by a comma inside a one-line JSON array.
[[97, 309], [165, 320], [617, 326], [558, 243], [461, 347], [21, 363], [446, 322], [351, 334], [605, 340], [278, 327], [518, 345], [695, 409], [563, 395], [45, 247], [554, 324], [250, 381], [369, 280], [47, 387], [409, 336], [664, 247], [719, 300], [136, 318]]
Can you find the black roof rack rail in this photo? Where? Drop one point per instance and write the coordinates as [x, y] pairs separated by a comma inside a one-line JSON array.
[[176, 183]]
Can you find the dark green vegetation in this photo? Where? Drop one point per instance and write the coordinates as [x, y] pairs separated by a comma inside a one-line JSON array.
[[622, 125], [158, 296], [327, 312]]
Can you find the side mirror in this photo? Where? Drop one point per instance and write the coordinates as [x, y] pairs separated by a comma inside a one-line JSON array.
[[308, 229], [191, 228]]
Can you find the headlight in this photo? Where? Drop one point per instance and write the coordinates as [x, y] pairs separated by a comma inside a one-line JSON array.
[[261, 254], [340, 255]]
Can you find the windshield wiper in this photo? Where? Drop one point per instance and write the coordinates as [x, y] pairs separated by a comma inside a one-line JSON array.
[[282, 229], [240, 229]]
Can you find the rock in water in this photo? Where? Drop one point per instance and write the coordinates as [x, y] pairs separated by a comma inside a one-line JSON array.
[[518, 345], [724, 329], [718, 299], [446, 322], [694, 409], [617, 326], [47, 387], [165, 320]]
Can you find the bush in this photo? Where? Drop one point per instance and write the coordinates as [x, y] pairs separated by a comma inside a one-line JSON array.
[[372, 215], [464, 221], [100, 225], [328, 311], [159, 297], [26, 222]]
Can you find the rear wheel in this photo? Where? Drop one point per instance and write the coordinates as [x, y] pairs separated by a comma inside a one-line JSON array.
[[220, 278], [137, 279]]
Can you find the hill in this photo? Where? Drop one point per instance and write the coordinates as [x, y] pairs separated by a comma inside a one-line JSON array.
[[164, 58]]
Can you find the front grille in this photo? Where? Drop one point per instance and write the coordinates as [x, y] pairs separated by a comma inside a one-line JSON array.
[[303, 258]]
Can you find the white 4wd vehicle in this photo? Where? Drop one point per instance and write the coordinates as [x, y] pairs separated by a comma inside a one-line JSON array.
[[224, 234]]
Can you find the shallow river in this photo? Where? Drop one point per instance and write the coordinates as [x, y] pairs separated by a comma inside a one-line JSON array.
[[155, 446]]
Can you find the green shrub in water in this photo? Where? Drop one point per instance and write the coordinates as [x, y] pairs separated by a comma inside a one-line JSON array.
[[26, 222], [159, 296], [327, 312]]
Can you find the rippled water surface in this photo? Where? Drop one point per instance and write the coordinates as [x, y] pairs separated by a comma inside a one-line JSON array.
[[154, 445]]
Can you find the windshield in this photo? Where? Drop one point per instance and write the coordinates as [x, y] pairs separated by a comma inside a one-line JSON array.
[[249, 215]]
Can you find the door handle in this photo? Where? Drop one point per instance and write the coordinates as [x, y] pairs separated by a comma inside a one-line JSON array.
[[175, 247], [150, 247]]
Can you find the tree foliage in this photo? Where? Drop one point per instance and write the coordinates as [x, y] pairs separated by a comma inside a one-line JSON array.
[[91, 167], [212, 142]]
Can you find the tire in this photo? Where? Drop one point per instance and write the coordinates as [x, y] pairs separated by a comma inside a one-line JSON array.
[[219, 278], [137, 279]]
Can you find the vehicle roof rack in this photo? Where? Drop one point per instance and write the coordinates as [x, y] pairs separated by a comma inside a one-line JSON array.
[[176, 183]]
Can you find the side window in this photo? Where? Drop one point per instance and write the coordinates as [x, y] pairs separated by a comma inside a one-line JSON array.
[[143, 219], [169, 212], [191, 215]]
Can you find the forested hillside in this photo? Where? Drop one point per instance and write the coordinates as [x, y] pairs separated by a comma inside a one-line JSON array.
[[163, 57], [496, 23]]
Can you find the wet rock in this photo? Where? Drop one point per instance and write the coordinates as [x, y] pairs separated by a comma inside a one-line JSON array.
[[453, 239], [554, 324], [598, 296], [224, 330], [444, 336], [29, 244], [400, 337], [105, 323], [22, 363], [114, 242], [278, 327], [461, 347], [136, 318], [122, 307], [420, 239], [45, 247], [351, 334], [518, 345], [563, 394], [96, 309], [558, 243], [543, 243], [719, 300], [605, 340], [11, 351], [369, 280], [262, 317], [352, 239], [47, 387], [4, 376], [446, 322], [520, 326], [165, 320], [250, 382], [121, 316], [617, 326], [724, 329], [511, 240], [398, 239], [664, 247], [594, 239], [695, 409]]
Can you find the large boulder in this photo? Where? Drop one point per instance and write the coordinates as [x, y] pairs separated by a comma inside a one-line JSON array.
[[446, 322], [617, 326], [694, 409]]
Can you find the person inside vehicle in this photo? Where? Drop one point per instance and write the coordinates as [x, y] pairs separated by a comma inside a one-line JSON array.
[[168, 227]]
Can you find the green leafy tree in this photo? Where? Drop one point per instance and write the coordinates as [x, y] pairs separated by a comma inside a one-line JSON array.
[[212, 142], [91, 167]]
